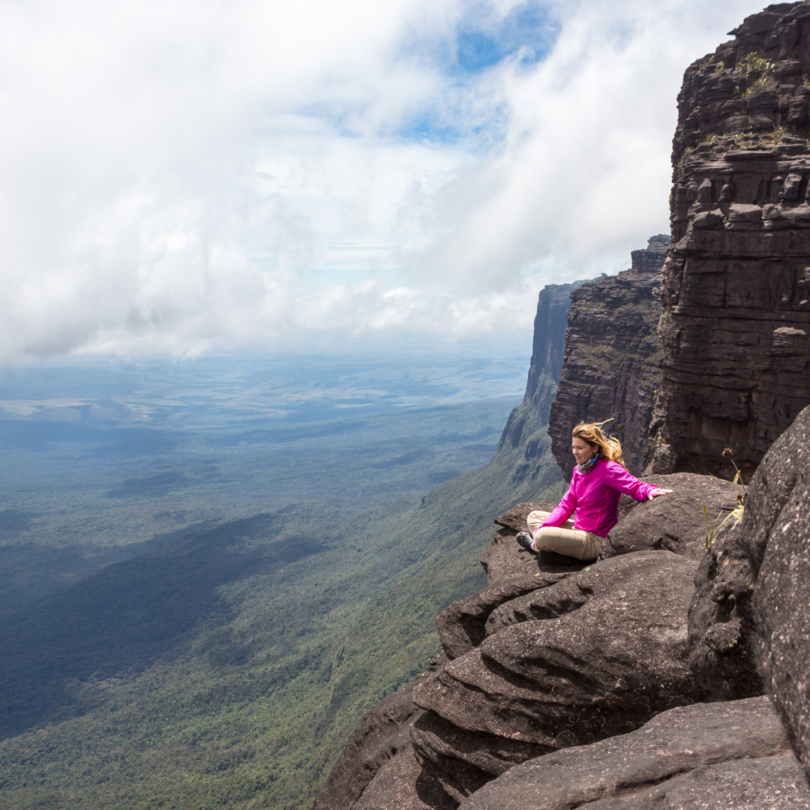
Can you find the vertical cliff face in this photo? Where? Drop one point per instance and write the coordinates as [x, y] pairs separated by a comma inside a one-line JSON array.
[[526, 425], [612, 363], [548, 348], [736, 288]]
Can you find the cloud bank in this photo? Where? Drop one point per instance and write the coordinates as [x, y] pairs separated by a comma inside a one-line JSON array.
[[177, 176]]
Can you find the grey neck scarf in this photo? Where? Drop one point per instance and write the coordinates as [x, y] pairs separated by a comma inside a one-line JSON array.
[[588, 465]]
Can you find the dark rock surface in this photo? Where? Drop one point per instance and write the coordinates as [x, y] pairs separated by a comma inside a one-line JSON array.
[[719, 755], [776, 534], [736, 288], [462, 625], [674, 522], [596, 653], [402, 783], [751, 611], [613, 355], [720, 619], [382, 736]]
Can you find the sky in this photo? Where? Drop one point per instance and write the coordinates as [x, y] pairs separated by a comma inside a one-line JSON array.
[[179, 178]]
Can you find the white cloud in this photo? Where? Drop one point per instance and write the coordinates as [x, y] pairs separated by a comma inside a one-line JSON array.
[[176, 176]]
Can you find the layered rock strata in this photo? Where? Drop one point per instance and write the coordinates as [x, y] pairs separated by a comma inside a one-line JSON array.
[[612, 363], [580, 658], [525, 429], [711, 756], [548, 655], [548, 346], [736, 289]]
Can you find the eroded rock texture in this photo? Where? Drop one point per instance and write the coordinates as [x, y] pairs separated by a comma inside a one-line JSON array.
[[613, 354], [776, 534], [582, 656], [677, 522], [736, 290], [727, 755]]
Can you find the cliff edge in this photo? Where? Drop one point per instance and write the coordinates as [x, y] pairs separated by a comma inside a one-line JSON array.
[[613, 354]]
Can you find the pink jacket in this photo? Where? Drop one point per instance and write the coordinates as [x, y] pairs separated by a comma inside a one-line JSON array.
[[594, 496]]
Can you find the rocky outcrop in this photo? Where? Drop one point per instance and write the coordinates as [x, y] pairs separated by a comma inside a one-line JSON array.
[[612, 358], [750, 616], [548, 348], [776, 534], [677, 523], [736, 290], [712, 756], [548, 655], [581, 657], [555, 671]]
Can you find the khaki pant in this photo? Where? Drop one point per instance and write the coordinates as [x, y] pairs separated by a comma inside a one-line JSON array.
[[564, 539]]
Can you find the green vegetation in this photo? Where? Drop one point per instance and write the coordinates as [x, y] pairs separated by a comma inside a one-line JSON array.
[[224, 665]]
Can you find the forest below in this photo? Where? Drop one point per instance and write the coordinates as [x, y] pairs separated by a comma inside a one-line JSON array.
[[209, 574]]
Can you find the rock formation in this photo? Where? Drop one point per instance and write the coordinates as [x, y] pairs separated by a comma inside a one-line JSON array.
[[711, 756], [736, 291], [635, 682], [776, 535], [613, 354], [521, 431], [548, 347], [547, 656], [750, 615]]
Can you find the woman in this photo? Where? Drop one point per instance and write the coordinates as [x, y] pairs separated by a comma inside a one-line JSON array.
[[598, 482]]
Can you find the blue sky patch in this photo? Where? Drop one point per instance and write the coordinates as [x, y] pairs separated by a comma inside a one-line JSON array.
[[480, 42], [527, 27]]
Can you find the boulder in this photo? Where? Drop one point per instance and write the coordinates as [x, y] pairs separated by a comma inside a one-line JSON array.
[[597, 653], [674, 522], [776, 534], [720, 619], [715, 755]]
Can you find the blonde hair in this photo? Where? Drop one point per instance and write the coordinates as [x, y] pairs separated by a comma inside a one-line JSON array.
[[608, 447]]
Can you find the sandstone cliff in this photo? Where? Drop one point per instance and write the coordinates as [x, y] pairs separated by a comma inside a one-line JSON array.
[[736, 291], [526, 427], [612, 364], [636, 681]]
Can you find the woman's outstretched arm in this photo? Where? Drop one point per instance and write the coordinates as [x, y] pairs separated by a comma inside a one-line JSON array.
[[622, 481]]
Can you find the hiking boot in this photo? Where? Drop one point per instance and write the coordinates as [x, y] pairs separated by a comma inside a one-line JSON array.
[[525, 541]]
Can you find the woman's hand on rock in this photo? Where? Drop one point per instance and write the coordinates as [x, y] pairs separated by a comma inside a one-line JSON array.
[[656, 492]]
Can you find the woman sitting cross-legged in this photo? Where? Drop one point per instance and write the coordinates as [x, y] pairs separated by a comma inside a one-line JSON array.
[[598, 482]]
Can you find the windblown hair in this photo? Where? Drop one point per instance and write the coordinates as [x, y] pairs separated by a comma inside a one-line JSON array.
[[608, 447]]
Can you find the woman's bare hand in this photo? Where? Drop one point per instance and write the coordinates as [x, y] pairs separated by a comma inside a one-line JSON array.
[[656, 492]]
